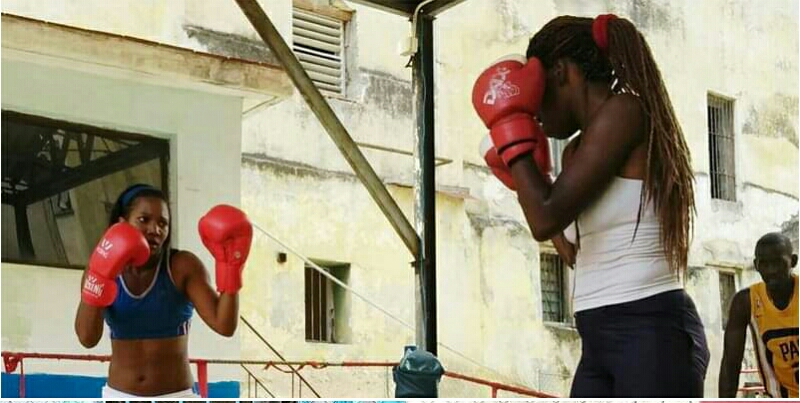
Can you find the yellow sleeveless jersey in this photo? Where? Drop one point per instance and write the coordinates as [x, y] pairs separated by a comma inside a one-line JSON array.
[[775, 337]]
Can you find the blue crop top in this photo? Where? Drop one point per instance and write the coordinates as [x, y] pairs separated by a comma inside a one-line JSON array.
[[160, 311]]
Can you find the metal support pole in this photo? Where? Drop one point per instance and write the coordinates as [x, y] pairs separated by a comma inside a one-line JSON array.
[[424, 189], [270, 35]]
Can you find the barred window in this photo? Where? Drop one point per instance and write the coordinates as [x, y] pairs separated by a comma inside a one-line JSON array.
[[553, 287], [721, 148], [326, 304], [727, 289]]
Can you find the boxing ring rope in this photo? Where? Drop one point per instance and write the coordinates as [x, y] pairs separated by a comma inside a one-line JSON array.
[[364, 298], [495, 386], [505, 387], [12, 360]]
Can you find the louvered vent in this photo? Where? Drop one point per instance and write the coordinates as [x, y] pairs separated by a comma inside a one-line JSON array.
[[318, 44]]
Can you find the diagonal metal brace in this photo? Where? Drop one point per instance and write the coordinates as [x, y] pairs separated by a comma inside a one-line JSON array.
[[267, 31]]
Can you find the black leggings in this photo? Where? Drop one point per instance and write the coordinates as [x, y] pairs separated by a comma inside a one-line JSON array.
[[653, 347]]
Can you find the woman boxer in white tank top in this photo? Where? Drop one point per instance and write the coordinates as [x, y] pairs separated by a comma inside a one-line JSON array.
[[625, 202]]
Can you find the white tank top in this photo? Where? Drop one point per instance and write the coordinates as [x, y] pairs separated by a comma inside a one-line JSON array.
[[611, 266]]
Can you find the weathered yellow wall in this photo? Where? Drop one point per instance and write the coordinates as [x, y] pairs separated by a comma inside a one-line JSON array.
[[488, 280]]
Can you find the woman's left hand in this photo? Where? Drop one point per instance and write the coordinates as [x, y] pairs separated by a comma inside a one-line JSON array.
[[565, 249]]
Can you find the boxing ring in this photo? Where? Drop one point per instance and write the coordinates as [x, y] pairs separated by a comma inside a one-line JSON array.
[[14, 361]]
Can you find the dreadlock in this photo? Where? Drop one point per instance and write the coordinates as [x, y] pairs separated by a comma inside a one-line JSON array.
[[627, 65]]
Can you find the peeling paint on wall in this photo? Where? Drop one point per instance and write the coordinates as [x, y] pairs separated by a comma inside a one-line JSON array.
[[231, 45], [480, 223], [650, 15], [387, 93], [292, 168], [776, 117], [515, 26], [646, 15], [790, 229]]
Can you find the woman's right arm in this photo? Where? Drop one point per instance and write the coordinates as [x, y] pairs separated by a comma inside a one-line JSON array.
[[605, 146], [122, 245], [88, 322]]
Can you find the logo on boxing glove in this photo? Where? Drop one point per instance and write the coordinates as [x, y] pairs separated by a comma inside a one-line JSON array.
[[499, 87], [92, 287], [104, 247]]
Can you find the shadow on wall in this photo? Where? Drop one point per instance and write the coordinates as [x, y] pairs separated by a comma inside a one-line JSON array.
[[73, 386]]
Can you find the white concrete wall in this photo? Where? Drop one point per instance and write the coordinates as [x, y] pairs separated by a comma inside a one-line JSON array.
[[203, 131]]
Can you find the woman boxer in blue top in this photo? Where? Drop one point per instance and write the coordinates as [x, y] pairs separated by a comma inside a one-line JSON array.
[[147, 292]]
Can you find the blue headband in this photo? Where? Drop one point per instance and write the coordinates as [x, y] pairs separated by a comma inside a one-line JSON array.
[[131, 193]]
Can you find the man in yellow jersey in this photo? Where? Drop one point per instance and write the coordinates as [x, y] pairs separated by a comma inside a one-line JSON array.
[[769, 308]]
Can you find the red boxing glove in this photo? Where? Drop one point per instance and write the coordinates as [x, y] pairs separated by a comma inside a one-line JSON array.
[[121, 245], [507, 96], [495, 163], [227, 233], [541, 156]]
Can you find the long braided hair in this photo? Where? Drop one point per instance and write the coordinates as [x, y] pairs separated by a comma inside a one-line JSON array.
[[611, 50]]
